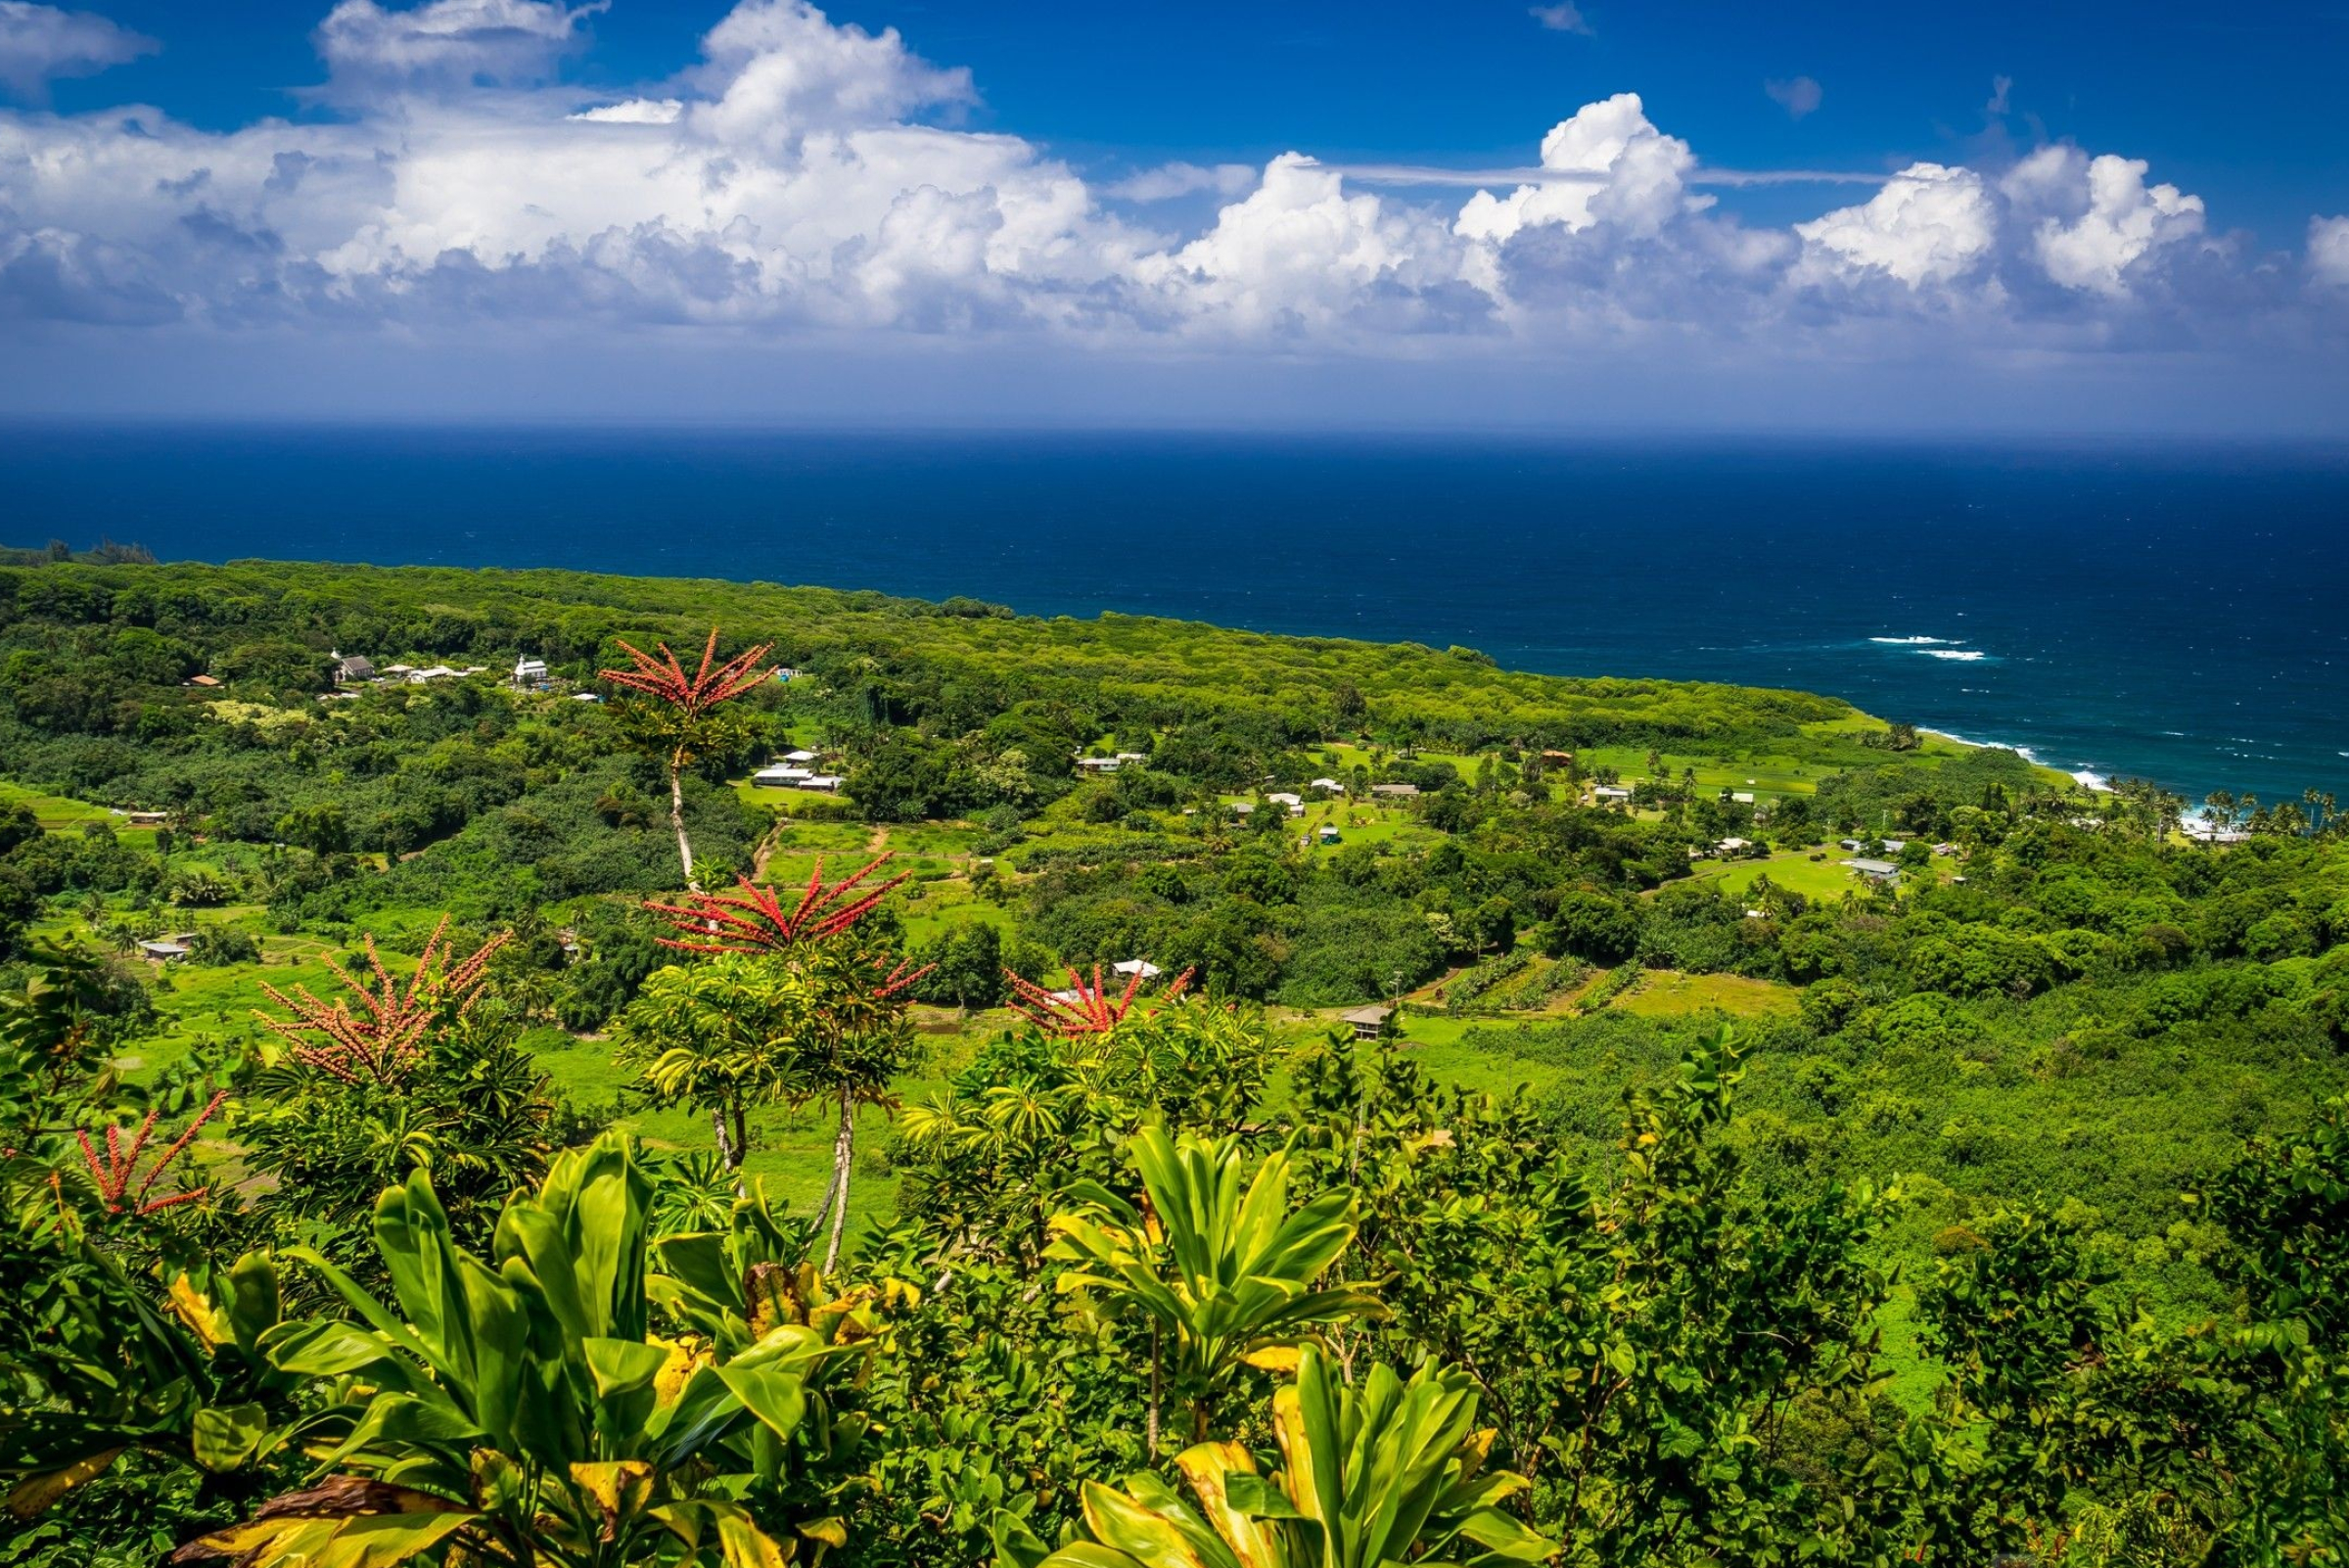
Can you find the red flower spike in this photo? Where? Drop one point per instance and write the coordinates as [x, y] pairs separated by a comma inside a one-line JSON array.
[[899, 979], [111, 1174], [385, 1036], [754, 921], [1092, 1011], [712, 683]]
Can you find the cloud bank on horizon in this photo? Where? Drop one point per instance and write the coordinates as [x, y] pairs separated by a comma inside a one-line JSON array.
[[812, 181]]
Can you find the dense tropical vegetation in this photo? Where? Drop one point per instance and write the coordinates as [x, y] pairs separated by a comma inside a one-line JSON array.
[[523, 1138]]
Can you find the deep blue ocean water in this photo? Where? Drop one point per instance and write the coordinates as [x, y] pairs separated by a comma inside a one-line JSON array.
[[2174, 613]]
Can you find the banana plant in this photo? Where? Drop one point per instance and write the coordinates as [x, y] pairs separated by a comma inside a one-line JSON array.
[[1389, 1472], [1226, 1273], [521, 1410]]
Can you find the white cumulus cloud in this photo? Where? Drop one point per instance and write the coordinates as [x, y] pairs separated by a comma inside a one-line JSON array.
[[634, 111], [2104, 218], [2329, 249], [448, 44], [39, 44], [1929, 224], [816, 180], [1612, 166]]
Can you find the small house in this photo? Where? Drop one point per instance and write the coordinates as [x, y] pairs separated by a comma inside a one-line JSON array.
[[1875, 870], [204, 681], [432, 673], [353, 670], [800, 757], [165, 950], [528, 671], [1330, 784], [1742, 797], [1244, 807], [1097, 764], [1606, 793], [1294, 804], [1397, 792], [1327, 833], [826, 783], [779, 777], [1369, 1022], [1132, 757], [1734, 846], [1138, 967], [146, 818]]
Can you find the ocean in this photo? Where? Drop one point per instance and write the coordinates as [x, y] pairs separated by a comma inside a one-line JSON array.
[[2158, 611]]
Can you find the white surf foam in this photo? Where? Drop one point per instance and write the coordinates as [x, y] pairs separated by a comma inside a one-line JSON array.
[[1963, 655], [1907, 641]]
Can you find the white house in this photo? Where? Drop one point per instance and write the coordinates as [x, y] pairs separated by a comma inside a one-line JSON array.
[[1733, 845], [1742, 797], [798, 757], [826, 783], [528, 671], [1610, 792], [1138, 967], [1294, 804], [1098, 764], [1330, 784], [779, 776]]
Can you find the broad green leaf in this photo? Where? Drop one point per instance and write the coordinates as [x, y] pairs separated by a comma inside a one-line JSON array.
[[223, 1438]]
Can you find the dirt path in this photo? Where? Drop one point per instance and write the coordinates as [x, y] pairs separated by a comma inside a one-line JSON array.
[[878, 842]]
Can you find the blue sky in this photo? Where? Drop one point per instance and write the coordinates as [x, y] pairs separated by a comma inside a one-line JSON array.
[[2049, 203]]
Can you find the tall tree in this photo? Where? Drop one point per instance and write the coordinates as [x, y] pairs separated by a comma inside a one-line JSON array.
[[685, 720]]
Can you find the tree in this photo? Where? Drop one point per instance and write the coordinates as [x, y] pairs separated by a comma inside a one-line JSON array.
[[685, 720], [722, 1036]]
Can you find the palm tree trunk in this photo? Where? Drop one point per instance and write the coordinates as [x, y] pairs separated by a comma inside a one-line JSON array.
[[676, 817], [844, 1152], [725, 1146]]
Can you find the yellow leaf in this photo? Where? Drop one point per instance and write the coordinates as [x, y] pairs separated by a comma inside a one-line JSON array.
[[204, 1320], [744, 1545], [830, 1530], [35, 1493], [685, 1358], [616, 1485], [1273, 1358]]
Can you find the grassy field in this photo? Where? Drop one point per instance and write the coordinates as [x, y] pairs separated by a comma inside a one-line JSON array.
[[1795, 871]]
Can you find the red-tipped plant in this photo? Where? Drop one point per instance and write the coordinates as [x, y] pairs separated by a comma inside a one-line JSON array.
[[754, 921], [384, 1037], [1082, 1009], [683, 716], [900, 979], [111, 1173]]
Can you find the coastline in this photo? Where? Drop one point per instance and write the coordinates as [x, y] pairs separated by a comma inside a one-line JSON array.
[[2086, 776]]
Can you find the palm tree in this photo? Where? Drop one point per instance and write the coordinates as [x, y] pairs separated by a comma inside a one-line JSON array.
[[1389, 1472], [1228, 1275], [683, 723]]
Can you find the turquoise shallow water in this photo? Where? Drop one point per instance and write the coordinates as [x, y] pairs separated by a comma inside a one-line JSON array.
[[2181, 614]]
